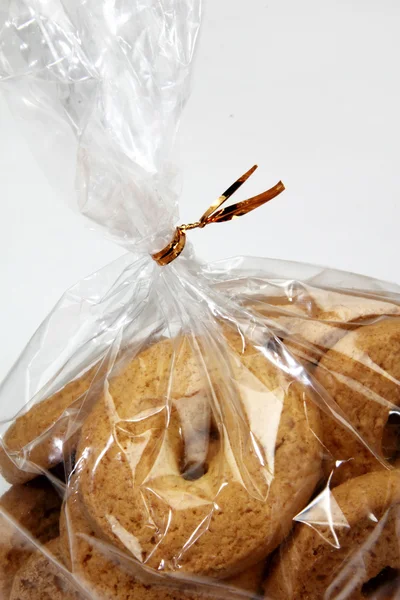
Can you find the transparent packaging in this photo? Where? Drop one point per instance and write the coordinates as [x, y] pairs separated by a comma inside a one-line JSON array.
[[226, 430]]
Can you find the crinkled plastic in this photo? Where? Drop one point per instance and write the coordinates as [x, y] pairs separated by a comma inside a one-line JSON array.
[[228, 430]]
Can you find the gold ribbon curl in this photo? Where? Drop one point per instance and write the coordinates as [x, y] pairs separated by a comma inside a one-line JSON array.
[[213, 215]]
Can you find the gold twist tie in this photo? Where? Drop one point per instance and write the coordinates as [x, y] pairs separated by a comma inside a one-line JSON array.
[[213, 215]]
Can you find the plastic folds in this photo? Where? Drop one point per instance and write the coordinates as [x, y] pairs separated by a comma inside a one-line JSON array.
[[191, 431]]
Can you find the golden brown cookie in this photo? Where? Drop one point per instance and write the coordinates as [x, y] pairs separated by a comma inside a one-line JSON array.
[[311, 320], [36, 437], [249, 580], [236, 510], [362, 375], [43, 577], [35, 509], [104, 574], [347, 549]]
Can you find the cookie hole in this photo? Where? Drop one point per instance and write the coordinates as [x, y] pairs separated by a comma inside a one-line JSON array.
[[214, 432], [391, 437], [385, 579], [193, 471], [198, 451]]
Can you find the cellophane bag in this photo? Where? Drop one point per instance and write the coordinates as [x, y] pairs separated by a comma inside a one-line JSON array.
[[189, 430]]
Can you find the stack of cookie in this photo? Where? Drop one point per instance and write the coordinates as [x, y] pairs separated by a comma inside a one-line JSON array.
[[345, 543], [212, 466]]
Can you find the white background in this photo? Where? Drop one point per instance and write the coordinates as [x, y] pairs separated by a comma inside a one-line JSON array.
[[310, 90]]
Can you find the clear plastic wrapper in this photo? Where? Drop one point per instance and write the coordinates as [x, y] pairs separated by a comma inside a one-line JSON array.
[[228, 430]]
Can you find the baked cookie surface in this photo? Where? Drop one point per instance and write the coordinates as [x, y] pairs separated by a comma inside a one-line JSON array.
[[42, 578], [35, 508], [346, 556], [236, 506], [311, 320], [36, 437], [104, 573], [361, 373]]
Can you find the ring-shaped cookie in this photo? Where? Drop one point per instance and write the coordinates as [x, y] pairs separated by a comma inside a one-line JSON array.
[[351, 553], [34, 508], [362, 374], [35, 441], [42, 576], [311, 320], [241, 505], [104, 574]]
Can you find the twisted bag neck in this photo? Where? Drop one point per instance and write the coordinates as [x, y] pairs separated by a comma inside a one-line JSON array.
[[216, 215]]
